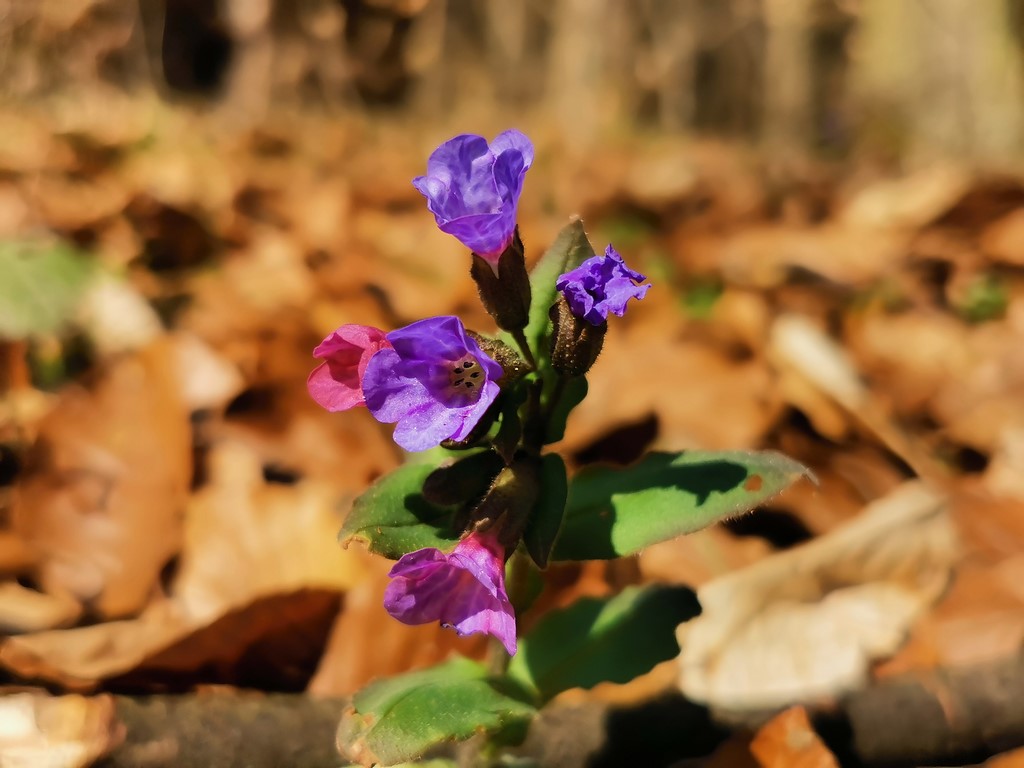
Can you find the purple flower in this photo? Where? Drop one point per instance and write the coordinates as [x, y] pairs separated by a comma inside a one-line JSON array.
[[464, 590], [473, 189], [435, 382], [600, 285], [335, 383]]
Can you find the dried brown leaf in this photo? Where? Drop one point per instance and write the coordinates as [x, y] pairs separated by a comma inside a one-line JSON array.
[[789, 741], [102, 499], [259, 559], [26, 610]]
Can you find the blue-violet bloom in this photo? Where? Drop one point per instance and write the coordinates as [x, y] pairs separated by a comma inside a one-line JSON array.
[[336, 384], [600, 285], [464, 590], [435, 382], [473, 189]]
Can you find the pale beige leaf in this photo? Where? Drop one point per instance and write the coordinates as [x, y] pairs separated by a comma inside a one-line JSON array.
[[807, 623], [37, 730]]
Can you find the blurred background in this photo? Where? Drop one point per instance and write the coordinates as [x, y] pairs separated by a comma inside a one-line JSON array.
[[827, 195]]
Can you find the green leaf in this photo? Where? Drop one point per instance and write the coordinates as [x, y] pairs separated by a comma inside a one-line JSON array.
[[40, 284], [570, 249], [546, 518], [603, 640], [573, 392], [616, 512], [392, 517], [398, 719]]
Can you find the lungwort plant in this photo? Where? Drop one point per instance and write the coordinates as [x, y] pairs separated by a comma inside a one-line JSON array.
[[490, 502]]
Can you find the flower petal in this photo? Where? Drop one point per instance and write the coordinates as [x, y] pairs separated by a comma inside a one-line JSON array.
[[464, 590], [335, 384]]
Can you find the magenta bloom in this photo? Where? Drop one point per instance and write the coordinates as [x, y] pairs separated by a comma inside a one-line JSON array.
[[600, 285], [464, 590], [473, 189], [435, 383], [335, 384]]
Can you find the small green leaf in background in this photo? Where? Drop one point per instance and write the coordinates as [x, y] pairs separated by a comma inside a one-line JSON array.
[[546, 518], [40, 285], [392, 517], [398, 719], [570, 249], [603, 640], [616, 512], [985, 298]]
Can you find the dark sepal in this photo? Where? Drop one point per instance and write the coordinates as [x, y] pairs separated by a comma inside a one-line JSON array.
[[575, 343], [506, 508], [512, 365], [506, 295], [464, 480]]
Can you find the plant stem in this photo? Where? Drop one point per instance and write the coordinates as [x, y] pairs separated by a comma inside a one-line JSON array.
[[524, 347], [556, 395], [516, 586]]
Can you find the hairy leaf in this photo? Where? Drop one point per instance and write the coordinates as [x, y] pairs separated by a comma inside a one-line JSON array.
[[616, 512]]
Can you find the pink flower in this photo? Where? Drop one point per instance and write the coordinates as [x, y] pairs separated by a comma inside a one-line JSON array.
[[464, 590], [336, 384]]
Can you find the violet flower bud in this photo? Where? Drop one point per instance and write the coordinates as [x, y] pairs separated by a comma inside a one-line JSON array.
[[600, 285], [473, 189], [435, 383], [464, 590]]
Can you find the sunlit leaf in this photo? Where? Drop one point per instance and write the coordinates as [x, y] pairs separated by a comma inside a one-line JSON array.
[[398, 719], [616, 512], [40, 284], [603, 640], [392, 517]]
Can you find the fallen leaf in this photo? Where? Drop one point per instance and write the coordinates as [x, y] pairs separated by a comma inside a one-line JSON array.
[[26, 610], [909, 202], [259, 558], [807, 623], [102, 498], [789, 741], [246, 538], [762, 256], [1011, 759], [1003, 239], [56, 731], [206, 379], [691, 387], [799, 346], [116, 318]]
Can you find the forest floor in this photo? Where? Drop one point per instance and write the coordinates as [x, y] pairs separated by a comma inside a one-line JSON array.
[[170, 496]]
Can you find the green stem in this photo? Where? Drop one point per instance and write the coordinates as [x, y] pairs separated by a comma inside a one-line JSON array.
[[556, 395], [524, 347], [516, 585]]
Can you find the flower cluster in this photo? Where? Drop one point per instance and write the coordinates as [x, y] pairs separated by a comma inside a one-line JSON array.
[[430, 379], [440, 384]]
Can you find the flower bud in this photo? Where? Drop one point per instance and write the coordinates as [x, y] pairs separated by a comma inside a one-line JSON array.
[[575, 342], [511, 498], [504, 286], [512, 365], [464, 480]]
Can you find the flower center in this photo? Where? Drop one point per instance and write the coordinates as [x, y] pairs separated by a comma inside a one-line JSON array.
[[466, 376]]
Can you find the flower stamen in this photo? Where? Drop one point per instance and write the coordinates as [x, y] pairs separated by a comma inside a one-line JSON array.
[[458, 379]]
